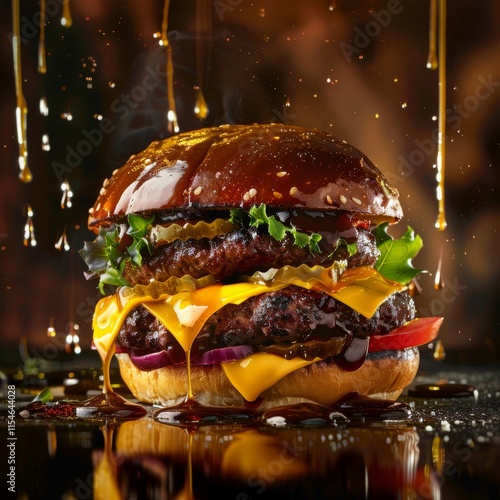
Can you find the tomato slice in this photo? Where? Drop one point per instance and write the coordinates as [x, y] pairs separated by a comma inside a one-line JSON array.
[[414, 333]]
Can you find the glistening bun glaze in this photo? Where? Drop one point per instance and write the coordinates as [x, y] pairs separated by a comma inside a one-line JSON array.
[[239, 166]]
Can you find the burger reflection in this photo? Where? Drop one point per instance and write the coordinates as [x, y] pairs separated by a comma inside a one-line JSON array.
[[154, 460]]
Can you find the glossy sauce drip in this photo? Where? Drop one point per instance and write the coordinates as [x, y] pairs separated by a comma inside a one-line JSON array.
[[173, 125], [442, 390], [355, 354], [22, 109], [42, 67]]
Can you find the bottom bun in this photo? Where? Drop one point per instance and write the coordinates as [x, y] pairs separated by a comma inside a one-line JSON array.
[[383, 375]]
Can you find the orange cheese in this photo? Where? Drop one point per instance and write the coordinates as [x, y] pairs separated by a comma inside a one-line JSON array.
[[185, 313]]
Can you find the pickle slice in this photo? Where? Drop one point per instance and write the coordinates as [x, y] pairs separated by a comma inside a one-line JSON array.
[[301, 274], [160, 235]]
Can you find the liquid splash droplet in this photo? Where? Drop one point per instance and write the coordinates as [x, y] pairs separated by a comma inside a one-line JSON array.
[[29, 229], [67, 195]]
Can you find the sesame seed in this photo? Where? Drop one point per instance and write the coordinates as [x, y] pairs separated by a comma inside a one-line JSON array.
[[277, 195], [147, 161], [198, 190], [293, 190], [342, 199], [102, 192], [281, 174], [356, 200], [252, 192], [114, 171], [105, 183], [91, 210], [329, 199]]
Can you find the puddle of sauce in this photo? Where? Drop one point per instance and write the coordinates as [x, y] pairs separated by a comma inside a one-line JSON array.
[[442, 390], [190, 412]]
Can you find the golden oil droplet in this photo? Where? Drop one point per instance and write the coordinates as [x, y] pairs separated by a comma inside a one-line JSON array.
[[22, 108], [66, 19], [439, 352], [42, 66], [25, 174], [438, 277], [173, 125], [432, 62], [200, 108], [45, 142], [441, 149], [29, 229], [44, 108], [203, 53], [333, 5], [51, 331], [262, 12], [67, 194]]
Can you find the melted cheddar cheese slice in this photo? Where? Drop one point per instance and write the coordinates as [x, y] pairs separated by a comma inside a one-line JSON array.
[[185, 313]]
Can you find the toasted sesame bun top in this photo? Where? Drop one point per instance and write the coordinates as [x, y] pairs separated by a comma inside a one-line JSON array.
[[233, 166]]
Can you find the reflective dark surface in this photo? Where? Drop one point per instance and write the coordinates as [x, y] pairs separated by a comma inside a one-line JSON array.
[[448, 448]]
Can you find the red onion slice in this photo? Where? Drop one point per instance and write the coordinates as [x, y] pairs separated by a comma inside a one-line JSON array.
[[216, 356], [154, 360]]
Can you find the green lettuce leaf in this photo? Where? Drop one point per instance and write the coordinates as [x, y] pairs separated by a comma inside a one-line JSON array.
[[395, 255], [105, 258], [257, 216]]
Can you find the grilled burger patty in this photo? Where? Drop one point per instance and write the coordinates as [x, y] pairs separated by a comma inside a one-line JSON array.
[[245, 251], [299, 315]]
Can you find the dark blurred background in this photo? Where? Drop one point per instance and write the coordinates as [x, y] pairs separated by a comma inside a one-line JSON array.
[[351, 67]]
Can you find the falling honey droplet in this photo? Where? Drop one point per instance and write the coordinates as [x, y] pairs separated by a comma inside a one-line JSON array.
[[439, 352], [67, 195], [438, 279], [42, 67], [22, 108], [432, 62], [66, 19], [333, 5], [203, 52], [173, 125], [25, 174], [62, 241], [200, 108], [441, 149], [29, 229]]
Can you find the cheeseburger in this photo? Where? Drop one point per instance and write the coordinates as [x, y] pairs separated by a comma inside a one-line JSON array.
[[257, 260]]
